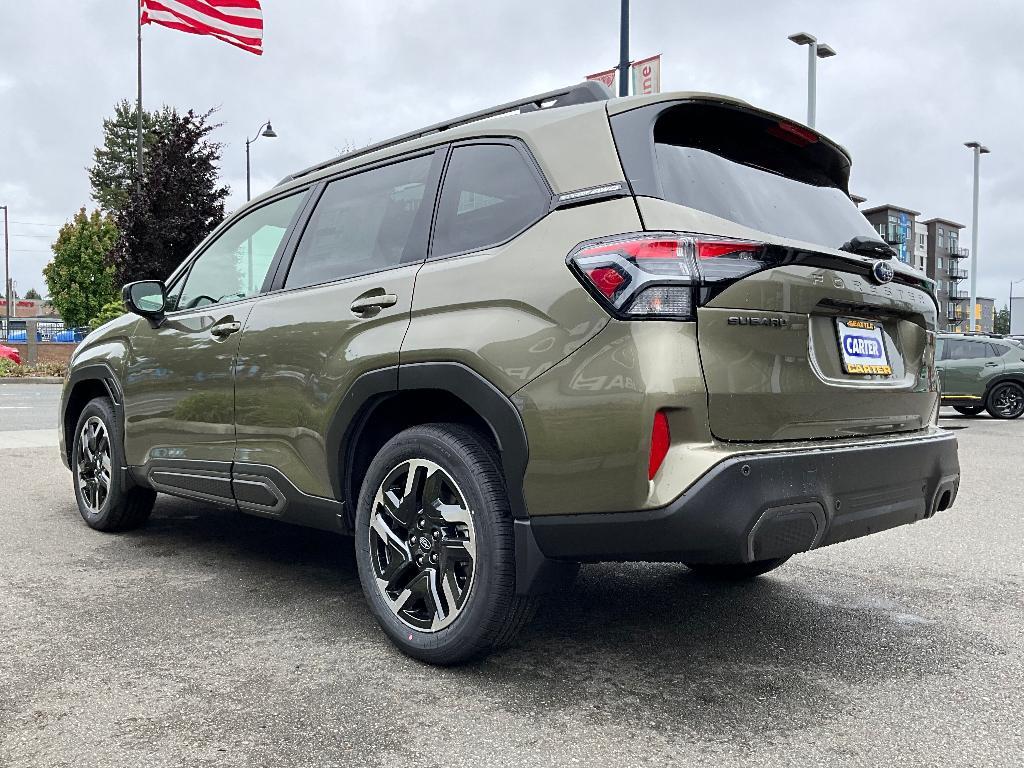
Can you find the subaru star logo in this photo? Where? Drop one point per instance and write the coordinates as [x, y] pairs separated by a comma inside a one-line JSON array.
[[882, 272]]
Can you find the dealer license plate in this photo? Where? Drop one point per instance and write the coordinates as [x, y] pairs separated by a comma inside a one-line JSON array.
[[862, 347]]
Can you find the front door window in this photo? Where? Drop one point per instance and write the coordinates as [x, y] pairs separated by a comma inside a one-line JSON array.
[[236, 264]]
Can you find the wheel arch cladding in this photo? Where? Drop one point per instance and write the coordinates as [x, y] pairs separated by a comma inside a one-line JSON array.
[[381, 403], [85, 384]]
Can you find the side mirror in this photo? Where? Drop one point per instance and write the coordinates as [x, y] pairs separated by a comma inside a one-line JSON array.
[[146, 298]]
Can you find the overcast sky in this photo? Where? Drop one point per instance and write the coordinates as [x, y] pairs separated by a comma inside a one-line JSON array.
[[913, 80]]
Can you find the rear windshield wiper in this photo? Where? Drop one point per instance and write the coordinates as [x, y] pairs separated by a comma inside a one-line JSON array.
[[867, 246]]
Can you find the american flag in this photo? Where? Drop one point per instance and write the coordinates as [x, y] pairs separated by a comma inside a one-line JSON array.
[[239, 22]]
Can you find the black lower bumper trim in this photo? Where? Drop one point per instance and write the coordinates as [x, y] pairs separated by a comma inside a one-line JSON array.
[[758, 506]]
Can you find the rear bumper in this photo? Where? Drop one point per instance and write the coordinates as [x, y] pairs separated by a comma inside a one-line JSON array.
[[758, 506]]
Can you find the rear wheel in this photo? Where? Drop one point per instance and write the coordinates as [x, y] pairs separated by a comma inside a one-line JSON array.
[[969, 410], [1006, 401], [434, 545], [736, 571], [105, 501]]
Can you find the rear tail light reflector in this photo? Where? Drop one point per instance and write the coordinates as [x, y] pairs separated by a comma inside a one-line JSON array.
[[660, 438]]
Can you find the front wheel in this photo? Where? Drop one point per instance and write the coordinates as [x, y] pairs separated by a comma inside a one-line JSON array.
[[105, 499], [969, 410], [736, 571], [1006, 401], [434, 545]]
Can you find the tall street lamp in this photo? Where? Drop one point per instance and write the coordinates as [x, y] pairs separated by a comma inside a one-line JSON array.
[[268, 131], [978, 151], [7, 275], [815, 51]]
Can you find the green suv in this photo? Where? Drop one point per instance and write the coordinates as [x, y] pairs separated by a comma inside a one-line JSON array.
[[981, 373], [568, 329]]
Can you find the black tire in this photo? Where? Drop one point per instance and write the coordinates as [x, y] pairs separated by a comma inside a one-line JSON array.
[[736, 571], [969, 410], [122, 506], [1006, 401], [491, 613]]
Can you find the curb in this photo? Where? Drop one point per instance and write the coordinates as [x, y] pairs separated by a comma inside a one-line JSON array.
[[31, 380]]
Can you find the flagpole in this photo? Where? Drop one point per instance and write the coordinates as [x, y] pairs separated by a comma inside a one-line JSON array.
[[138, 103]]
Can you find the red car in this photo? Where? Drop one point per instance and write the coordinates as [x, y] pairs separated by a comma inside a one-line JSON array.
[[11, 354]]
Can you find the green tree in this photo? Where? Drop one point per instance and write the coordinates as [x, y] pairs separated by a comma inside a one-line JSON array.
[[79, 279], [109, 311], [179, 204], [112, 174], [1001, 323], [32, 293]]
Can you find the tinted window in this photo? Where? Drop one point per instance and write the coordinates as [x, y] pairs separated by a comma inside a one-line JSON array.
[[362, 224], [999, 350], [236, 263], [490, 194], [957, 349], [761, 172]]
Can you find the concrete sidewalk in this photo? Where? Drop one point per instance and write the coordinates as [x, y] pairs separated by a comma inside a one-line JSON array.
[[28, 438]]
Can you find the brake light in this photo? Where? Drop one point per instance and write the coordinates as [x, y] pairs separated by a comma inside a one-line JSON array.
[[660, 275], [793, 133], [660, 438]]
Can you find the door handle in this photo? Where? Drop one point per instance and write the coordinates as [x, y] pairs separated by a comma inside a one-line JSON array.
[[223, 330], [991, 365], [373, 301]]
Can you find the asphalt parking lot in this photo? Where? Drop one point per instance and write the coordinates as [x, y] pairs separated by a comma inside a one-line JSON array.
[[213, 638]]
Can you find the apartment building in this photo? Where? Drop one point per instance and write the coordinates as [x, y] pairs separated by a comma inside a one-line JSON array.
[[946, 264], [932, 246], [896, 226]]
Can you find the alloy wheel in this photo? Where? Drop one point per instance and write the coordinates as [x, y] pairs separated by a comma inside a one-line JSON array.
[[93, 467], [1008, 401], [422, 545]]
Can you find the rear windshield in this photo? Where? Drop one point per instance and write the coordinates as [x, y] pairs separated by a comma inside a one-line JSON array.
[[746, 167]]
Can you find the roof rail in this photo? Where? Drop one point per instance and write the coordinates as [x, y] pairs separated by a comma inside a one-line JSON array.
[[581, 93]]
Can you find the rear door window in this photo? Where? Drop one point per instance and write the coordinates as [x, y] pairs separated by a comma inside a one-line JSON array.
[[362, 224], [961, 349], [490, 194]]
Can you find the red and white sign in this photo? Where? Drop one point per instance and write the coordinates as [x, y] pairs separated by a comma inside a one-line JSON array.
[[647, 76], [607, 77]]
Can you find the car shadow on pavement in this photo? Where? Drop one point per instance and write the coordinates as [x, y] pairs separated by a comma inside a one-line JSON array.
[[650, 644]]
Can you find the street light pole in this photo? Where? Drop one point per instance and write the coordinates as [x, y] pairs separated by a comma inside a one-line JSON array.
[[7, 276], [624, 49], [978, 149], [269, 133], [815, 51]]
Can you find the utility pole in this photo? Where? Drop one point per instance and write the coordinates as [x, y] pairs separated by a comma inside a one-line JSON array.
[[7, 276], [624, 50], [978, 150]]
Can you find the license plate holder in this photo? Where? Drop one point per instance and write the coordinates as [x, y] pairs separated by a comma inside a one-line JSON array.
[[862, 347]]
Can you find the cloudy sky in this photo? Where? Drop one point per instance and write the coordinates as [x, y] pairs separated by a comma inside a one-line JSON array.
[[913, 80]]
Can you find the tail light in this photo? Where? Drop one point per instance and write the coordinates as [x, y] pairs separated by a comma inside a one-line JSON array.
[[662, 275]]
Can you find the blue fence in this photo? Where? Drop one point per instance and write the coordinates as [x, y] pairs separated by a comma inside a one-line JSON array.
[[46, 330]]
